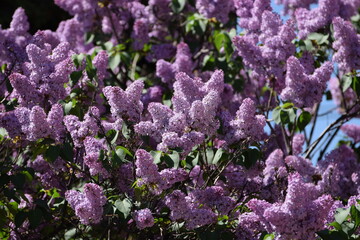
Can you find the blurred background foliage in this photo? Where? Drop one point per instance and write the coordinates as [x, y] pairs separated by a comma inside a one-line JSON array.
[[42, 14]]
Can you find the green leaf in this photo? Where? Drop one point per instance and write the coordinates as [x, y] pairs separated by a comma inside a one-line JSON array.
[[35, 217], [201, 26], [287, 105], [77, 59], [304, 119], [20, 218], [356, 85], [276, 115], [125, 150], [177, 226], [228, 46], [346, 82], [269, 236], [117, 158], [156, 156], [66, 152], [12, 206], [114, 61], [336, 225], [330, 235], [70, 234], [52, 153], [75, 76], [29, 175], [355, 215], [3, 217], [124, 206], [89, 37], [218, 41], [196, 24], [284, 117], [328, 95], [90, 69], [113, 135], [308, 45], [218, 156], [67, 107], [167, 102], [175, 159], [108, 46], [126, 132], [3, 68], [178, 5], [195, 161], [287, 115], [209, 155], [341, 214], [18, 180], [319, 38], [249, 157]]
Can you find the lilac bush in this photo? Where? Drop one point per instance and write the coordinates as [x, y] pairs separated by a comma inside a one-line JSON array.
[[181, 120]]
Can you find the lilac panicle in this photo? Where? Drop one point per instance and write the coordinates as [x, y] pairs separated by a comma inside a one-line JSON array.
[[303, 166], [146, 169], [47, 173], [44, 75], [246, 123], [352, 131], [33, 124], [160, 9], [127, 104], [54, 119], [153, 94], [27, 94], [342, 98], [309, 21], [250, 13], [249, 224], [80, 129], [187, 87], [249, 51], [337, 172], [143, 218], [19, 24], [72, 31], [188, 208], [170, 176], [76, 6], [93, 147], [140, 33], [291, 5], [161, 51], [275, 167], [297, 143], [302, 89], [88, 205], [11, 123], [300, 216], [195, 106], [347, 45], [266, 51], [101, 61], [183, 59], [183, 63], [210, 9], [38, 127], [176, 201]]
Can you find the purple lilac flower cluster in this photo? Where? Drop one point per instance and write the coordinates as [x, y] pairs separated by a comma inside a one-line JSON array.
[[88, 205], [162, 116]]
